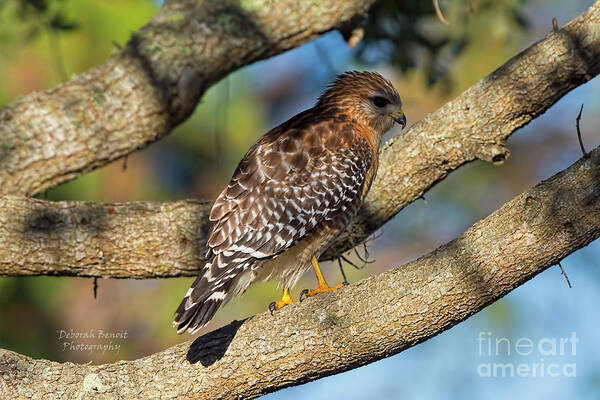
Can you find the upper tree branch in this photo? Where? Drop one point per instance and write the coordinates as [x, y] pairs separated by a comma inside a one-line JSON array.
[[143, 240], [355, 325], [138, 95]]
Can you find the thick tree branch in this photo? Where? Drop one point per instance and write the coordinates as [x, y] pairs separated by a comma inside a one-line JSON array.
[[131, 240], [144, 240], [141, 93], [356, 325]]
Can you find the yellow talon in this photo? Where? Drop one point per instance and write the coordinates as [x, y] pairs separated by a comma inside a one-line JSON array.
[[285, 300], [323, 286]]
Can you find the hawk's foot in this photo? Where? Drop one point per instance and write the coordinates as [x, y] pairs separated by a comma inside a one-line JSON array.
[[311, 292], [285, 300], [323, 286]]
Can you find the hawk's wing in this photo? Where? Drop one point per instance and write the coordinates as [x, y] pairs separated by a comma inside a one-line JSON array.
[[285, 186]]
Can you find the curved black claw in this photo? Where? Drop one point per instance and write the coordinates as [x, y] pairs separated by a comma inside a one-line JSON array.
[[272, 307], [302, 294]]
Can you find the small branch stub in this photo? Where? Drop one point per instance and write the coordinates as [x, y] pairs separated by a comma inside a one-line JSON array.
[[95, 288], [355, 37]]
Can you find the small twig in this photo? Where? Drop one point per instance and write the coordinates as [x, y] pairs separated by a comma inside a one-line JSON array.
[[585, 153], [424, 199], [345, 282], [361, 258], [438, 12], [124, 168], [554, 24], [365, 261], [95, 287], [351, 263], [566, 277], [367, 256]]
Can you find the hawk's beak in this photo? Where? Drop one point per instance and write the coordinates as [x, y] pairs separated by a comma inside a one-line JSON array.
[[399, 117]]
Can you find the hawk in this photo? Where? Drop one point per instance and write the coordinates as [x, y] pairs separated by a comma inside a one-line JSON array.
[[292, 194]]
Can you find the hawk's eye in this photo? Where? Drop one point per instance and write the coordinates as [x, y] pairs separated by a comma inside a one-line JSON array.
[[380, 101]]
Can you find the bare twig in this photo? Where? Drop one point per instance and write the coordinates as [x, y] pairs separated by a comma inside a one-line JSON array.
[[95, 288], [339, 260], [563, 271], [554, 25], [366, 249], [351, 263], [365, 259], [585, 153]]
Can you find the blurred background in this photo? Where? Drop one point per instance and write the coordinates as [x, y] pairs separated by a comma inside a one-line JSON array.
[[45, 42]]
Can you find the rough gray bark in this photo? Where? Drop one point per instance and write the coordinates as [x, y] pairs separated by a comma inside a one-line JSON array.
[[138, 95], [358, 324], [130, 240], [144, 240]]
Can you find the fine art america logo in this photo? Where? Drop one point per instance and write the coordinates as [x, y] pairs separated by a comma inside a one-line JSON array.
[[527, 358], [92, 340]]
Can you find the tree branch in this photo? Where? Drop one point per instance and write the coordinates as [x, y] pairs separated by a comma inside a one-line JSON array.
[[130, 240], [146, 240], [356, 325], [138, 95]]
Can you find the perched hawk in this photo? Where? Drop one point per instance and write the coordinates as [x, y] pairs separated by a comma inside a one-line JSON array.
[[292, 194]]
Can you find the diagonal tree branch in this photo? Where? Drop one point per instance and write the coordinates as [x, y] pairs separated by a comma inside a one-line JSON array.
[[144, 240], [354, 326], [138, 95]]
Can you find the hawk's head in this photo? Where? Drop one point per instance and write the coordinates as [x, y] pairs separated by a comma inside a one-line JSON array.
[[367, 97]]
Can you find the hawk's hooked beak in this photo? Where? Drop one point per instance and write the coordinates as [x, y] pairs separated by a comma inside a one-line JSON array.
[[399, 117]]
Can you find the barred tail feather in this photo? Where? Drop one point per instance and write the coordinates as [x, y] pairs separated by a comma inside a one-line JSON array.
[[198, 307], [204, 297], [199, 314]]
